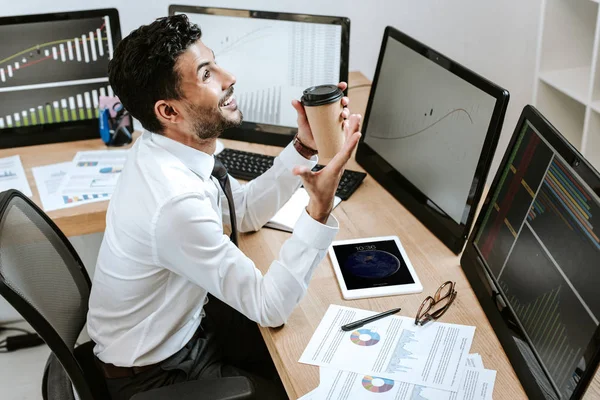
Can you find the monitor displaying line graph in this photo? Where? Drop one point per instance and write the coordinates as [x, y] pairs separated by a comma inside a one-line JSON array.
[[430, 125], [273, 60], [53, 68]]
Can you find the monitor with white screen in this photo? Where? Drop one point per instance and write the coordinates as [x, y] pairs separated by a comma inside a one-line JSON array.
[[274, 57], [435, 124]]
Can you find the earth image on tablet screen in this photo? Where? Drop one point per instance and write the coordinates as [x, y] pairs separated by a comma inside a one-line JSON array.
[[372, 264]]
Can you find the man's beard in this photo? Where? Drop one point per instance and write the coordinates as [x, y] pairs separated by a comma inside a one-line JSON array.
[[210, 123]]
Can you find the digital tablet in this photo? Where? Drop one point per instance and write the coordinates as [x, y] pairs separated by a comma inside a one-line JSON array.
[[373, 267]]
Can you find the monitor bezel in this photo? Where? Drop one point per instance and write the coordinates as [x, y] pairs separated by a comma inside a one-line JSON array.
[[452, 234], [61, 131], [480, 275], [276, 135]]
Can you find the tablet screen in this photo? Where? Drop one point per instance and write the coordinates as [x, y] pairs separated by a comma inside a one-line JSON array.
[[372, 264]]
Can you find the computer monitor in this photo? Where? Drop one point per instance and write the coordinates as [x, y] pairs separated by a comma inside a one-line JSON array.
[[53, 69], [533, 260], [429, 134], [274, 56]]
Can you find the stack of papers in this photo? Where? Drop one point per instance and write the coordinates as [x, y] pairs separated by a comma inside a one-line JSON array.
[[92, 176], [393, 358]]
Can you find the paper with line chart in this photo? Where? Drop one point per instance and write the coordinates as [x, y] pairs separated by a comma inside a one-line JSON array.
[[393, 348], [273, 61], [53, 71], [430, 125]]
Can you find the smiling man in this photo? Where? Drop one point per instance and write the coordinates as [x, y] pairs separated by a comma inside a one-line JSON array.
[[173, 298]]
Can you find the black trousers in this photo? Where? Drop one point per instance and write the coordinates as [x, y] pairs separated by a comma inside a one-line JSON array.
[[229, 344]]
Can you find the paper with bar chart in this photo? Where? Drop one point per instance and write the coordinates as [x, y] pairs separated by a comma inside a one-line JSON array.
[[273, 61], [48, 179], [92, 175], [53, 72], [393, 348]]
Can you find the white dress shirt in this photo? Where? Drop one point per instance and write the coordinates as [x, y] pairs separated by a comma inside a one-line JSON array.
[[164, 248]]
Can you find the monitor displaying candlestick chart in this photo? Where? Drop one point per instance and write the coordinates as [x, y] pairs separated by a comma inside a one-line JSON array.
[[540, 241], [53, 67]]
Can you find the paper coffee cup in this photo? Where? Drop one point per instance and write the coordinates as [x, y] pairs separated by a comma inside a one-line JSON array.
[[323, 106]]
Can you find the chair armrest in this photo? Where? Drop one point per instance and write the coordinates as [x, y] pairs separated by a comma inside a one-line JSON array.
[[229, 388]]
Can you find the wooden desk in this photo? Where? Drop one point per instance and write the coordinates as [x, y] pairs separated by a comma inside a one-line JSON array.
[[371, 211]]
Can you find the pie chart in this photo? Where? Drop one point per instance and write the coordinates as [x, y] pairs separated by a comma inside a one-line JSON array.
[[365, 337], [377, 385]]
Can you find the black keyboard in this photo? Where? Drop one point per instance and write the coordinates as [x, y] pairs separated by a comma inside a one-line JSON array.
[[247, 166]]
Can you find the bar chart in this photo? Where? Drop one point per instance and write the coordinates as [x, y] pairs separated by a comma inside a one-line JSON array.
[[262, 106], [54, 72], [52, 105], [55, 52]]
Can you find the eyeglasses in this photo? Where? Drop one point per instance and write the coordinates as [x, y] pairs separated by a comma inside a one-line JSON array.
[[444, 297]]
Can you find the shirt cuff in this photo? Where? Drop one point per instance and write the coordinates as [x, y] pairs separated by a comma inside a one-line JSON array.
[[314, 233], [290, 158]]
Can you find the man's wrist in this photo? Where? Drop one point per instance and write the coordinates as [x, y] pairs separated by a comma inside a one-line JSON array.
[[304, 150], [318, 213]]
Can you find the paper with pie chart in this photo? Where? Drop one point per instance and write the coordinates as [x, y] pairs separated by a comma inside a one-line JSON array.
[[477, 384], [392, 348]]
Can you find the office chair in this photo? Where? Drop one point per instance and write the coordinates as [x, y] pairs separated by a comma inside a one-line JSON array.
[[43, 278]]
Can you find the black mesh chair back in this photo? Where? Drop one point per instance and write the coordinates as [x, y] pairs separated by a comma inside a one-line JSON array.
[[43, 278]]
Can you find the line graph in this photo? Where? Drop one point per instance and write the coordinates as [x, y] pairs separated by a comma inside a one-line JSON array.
[[53, 56], [71, 50], [54, 71], [273, 60], [40, 46], [243, 39], [457, 110], [401, 353]]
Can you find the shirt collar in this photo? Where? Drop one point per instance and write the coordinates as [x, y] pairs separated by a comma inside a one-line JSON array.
[[197, 161]]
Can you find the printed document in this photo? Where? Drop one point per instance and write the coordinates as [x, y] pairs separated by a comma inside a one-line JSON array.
[[12, 175], [392, 348], [93, 175], [477, 384], [48, 179]]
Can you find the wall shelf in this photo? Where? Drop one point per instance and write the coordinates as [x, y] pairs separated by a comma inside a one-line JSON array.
[[574, 82], [567, 78]]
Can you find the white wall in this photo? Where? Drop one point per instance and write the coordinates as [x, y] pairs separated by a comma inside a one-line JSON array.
[[496, 38]]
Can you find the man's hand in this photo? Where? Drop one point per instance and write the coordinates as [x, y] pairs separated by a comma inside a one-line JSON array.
[[321, 185], [304, 132]]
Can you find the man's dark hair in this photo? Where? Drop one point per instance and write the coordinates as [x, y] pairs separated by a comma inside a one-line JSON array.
[[142, 70]]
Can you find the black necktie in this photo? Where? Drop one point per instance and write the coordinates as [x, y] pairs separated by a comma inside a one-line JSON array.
[[220, 172]]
